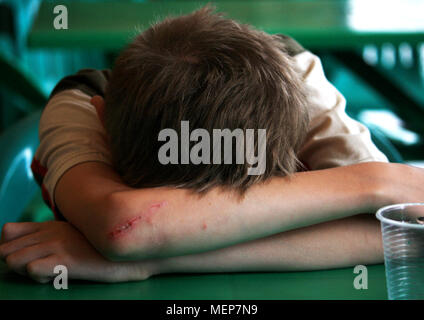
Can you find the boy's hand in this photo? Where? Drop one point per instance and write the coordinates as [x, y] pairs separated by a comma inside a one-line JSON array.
[[396, 183], [34, 249]]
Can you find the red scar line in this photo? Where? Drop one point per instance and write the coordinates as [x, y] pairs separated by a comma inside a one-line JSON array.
[[146, 216]]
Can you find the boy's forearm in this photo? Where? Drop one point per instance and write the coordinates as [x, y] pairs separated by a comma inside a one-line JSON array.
[[340, 243], [99, 205], [336, 244], [190, 224]]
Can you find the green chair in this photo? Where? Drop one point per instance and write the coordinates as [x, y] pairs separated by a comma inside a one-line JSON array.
[[20, 81], [17, 185], [384, 145]]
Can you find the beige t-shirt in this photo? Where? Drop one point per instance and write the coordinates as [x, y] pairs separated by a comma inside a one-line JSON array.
[[70, 132]]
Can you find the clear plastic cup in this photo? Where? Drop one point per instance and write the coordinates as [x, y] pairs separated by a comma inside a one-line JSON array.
[[402, 227]]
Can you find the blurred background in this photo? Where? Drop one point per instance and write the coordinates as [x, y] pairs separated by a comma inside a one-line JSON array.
[[372, 51]]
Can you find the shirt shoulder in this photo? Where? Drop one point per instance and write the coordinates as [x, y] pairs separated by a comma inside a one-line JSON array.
[[90, 81], [70, 133]]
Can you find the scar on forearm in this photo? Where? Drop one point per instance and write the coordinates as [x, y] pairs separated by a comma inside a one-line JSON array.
[[145, 216]]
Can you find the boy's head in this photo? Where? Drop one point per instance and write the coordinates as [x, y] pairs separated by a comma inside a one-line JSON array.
[[216, 74]]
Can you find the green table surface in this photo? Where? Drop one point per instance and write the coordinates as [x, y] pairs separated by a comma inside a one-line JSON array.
[[315, 24], [329, 284]]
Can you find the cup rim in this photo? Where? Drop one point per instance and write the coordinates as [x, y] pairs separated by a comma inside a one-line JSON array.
[[398, 223]]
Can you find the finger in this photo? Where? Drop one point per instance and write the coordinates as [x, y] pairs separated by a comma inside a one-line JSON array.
[[18, 260], [13, 230], [8, 248], [42, 270]]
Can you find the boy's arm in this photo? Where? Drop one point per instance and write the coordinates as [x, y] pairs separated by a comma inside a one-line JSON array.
[[121, 224], [335, 244], [340, 243]]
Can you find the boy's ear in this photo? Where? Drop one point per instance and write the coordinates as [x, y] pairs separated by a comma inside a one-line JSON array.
[[99, 103]]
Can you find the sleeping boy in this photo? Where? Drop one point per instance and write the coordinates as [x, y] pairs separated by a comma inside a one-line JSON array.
[[124, 214]]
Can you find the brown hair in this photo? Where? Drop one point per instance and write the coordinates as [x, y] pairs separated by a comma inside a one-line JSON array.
[[215, 73]]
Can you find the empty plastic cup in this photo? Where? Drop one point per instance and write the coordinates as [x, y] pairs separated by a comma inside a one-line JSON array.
[[402, 227]]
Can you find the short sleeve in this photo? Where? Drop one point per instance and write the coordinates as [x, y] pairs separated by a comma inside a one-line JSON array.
[[334, 139], [70, 133]]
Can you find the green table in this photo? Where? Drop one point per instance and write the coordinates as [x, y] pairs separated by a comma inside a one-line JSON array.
[[317, 24], [331, 284]]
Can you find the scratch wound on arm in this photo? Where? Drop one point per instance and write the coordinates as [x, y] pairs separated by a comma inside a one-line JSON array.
[[145, 216]]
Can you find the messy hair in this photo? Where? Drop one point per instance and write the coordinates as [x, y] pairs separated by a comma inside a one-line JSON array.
[[215, 73]]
